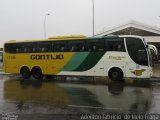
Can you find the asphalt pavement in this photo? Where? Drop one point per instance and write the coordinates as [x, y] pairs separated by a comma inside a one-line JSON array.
[[82, 98], [73, 99]]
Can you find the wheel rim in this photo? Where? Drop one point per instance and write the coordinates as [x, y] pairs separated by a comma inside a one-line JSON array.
[[115, 74]]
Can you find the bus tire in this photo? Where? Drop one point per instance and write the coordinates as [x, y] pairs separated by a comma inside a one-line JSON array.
[[115, 74], [37, 72], [25, 72]]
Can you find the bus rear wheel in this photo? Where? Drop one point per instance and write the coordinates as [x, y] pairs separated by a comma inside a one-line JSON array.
[[116, 74], [25, 72], [37, 72]]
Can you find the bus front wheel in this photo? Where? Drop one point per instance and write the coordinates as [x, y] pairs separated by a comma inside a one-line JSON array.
[[25, 72], [37, 72], [115, 74]]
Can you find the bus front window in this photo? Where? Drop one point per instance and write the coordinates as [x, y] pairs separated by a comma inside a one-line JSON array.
[[137, 51]]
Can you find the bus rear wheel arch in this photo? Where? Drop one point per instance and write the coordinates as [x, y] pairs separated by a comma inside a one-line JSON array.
[[115, 74], [25, 72], [37, 72]]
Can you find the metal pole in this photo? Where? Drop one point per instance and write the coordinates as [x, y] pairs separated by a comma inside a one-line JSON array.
[[93, 15], [45, 24]]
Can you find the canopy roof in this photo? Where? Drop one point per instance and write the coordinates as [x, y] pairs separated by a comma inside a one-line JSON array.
[[132, 28]]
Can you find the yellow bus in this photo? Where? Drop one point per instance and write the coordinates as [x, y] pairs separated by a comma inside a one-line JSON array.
[[113, 56]]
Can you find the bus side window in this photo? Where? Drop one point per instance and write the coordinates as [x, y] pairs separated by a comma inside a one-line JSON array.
[[76, 46], [74, 49], [26, 50], [34, 50], [113, 48], [96, 45], [115, 45], [18, 50], [12, 48], [120, 48], [60, 46], [28, 47], [82, 48], [45, 47], [7, 48], [90, 48], [94, 48]]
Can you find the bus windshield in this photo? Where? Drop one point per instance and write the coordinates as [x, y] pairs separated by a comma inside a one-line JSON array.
[[137, 51]]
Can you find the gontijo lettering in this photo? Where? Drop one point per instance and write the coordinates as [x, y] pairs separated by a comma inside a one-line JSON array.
[[47, 57]]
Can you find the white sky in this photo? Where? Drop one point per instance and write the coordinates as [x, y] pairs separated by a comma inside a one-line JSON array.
[[23, 19]]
